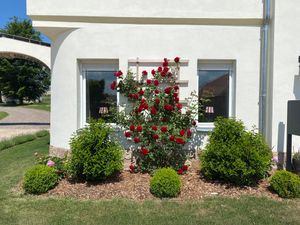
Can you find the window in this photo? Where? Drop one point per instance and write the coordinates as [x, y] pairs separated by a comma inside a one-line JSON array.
[[98, 100], [215, 91]]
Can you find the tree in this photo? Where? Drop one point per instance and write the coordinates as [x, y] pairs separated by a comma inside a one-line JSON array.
[[23, 79], [22, 28]]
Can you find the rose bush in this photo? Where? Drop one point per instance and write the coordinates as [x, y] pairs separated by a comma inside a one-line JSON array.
[[157, 124]]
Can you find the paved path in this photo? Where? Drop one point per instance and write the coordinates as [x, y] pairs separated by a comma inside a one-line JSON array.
[[23, 121]]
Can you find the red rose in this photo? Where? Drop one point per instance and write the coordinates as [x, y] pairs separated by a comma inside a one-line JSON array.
[[132, 128], [165, 63], [194, 122], [139, 128], [141, 92], [166, 69], [143, 101], [180, 171], [168, 90], [131, 167], [176, 59], [168, 107], [155, 136], [189, 133], [136, 139], [175, 94], [163, 74], [149, 81], [176, 87], [159, 69], [182, 132], [179, 106], [156, 82], [164, 129], [118, 73], [145, 151], [127, 134], [135, 96], [172, 138], [184, 167], [113, 85], [154, 128], [169, 74], [156, 91], [144, 73], [153, 72], [180, 141], [157, 101], [176, 99], [153, 110]]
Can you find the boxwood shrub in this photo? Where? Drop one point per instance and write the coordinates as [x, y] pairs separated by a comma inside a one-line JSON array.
[[165, 183], [39, 179], [235, 155], [95, 155], [286, 184]]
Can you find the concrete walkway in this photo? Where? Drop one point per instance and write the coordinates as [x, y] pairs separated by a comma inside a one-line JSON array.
[[23, 121]]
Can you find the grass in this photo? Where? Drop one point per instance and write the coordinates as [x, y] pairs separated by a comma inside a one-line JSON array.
[[44, 105], [4, 144], [3, 115], [26, 209]]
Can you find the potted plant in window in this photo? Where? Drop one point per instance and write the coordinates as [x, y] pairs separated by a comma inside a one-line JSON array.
[[296, 162]]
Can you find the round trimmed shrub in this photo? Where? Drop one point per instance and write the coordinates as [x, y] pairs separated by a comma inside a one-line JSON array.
[[286, 184], [95, 155], [165, 183], [39, 179], [235, 155]]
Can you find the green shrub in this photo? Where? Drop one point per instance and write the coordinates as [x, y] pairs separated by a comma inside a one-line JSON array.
[[42, 133], [23, 139], [235, 155], [39, 179], [6, 144], [286, 184], [165, 183], [95, 154]]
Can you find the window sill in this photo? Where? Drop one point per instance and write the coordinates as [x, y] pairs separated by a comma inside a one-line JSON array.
[[205, 127]]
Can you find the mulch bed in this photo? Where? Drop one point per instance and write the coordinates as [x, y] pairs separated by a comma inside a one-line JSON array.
[[136, 187]]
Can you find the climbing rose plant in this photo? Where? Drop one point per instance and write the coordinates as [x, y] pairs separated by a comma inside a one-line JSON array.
[[156, 122]]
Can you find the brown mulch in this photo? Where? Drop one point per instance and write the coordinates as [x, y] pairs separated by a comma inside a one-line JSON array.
[[136, 187]]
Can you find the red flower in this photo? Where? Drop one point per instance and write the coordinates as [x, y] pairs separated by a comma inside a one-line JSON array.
[[179, 106], [145, 151], [139, 128], [164, 129], [169, 74], [135, 96], [136, 139], [184, 167], [165, 63], [131, 167], [175, 94], [176, 99], [180, 141], [144, 73], [159, 69], [157, 101], [166, 69], [168, 107], [154, 128], [141, 92], [156, 91], [118, 73], [163, 74], [156, 82], [127, 134], [180, 171], [153, 72], [176, 87], [113, 85], [132, 128], [182, 132], [155, 136], [176, 59], [172, 138], [149, 81], [168, 90], [194, 122], [143, 101], [153, 110], [189, 133]]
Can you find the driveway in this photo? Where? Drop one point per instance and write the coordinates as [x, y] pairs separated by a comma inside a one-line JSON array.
[[23, 121]]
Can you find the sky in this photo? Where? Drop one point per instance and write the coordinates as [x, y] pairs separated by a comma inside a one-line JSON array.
[[10, 8]]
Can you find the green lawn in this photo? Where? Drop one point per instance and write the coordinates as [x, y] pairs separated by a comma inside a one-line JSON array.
[[3, 115], [26, 209], [44, 105]]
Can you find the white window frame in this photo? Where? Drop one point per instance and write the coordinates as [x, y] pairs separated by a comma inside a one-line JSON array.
[[219, 65], [106, 65]]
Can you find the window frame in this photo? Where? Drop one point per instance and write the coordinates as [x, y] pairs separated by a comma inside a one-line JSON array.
[[105, 66], [218, 65]]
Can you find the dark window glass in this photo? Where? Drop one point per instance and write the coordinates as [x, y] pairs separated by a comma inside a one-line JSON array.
[[213, 94], [101, 101]]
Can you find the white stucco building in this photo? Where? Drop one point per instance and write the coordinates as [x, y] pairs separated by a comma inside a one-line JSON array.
[[246, 51]]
